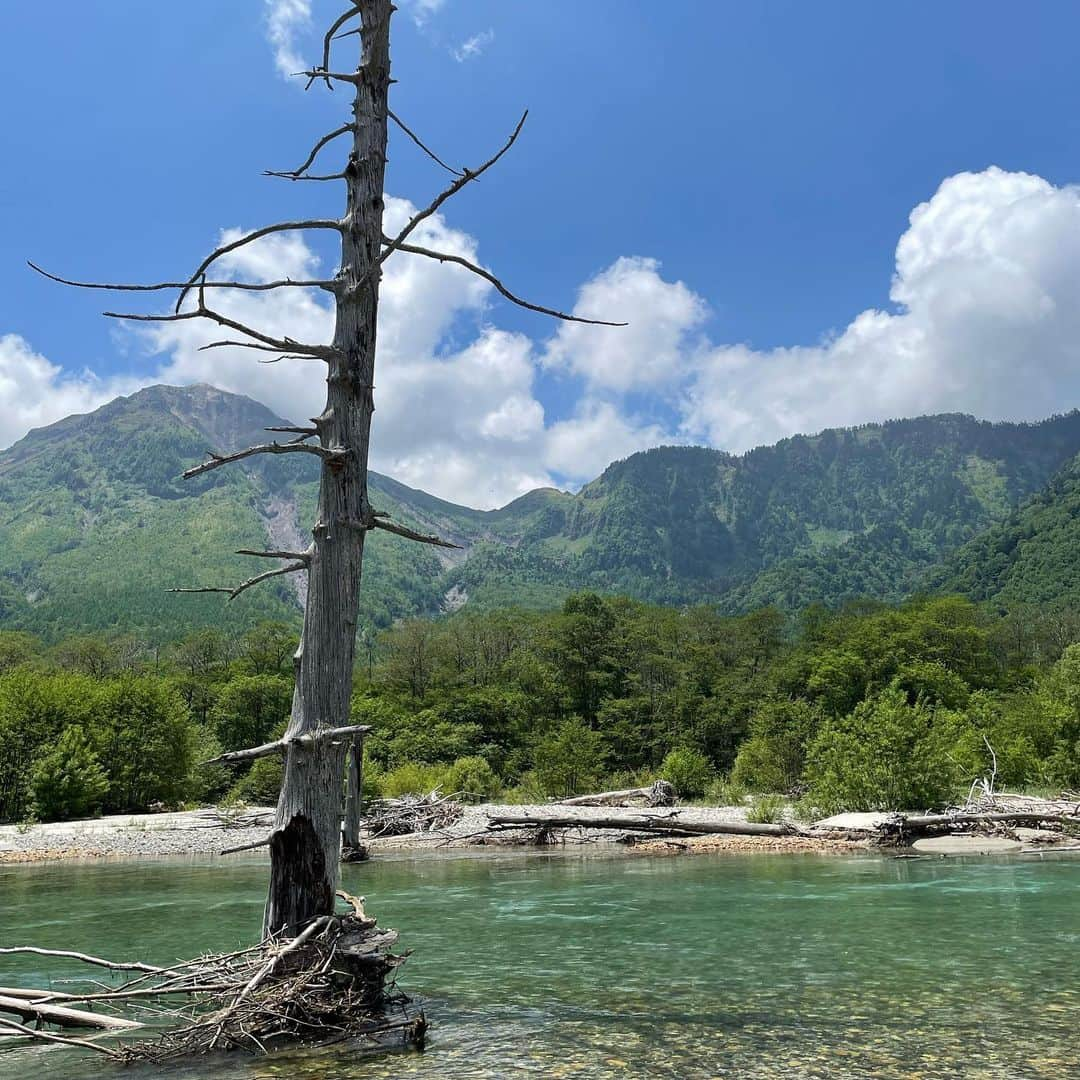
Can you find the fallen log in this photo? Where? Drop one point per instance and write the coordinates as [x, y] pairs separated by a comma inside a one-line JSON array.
[[1012, 817], [10, 1027], [659, 794], [903, 828], [668, 825], [63, 1017]]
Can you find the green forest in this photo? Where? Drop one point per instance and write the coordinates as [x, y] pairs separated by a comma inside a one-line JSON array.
[[871, 706]]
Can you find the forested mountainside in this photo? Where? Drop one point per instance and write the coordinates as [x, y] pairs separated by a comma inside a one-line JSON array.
[[1030, 558], [96, 523]]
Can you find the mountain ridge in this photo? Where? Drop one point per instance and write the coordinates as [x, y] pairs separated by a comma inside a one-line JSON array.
[[95, 521]]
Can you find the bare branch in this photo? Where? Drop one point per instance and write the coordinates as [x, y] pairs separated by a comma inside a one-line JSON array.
[[279, 746], [311, 74], [266, 230], [467, 177], [270, 344], [292, 568], [67, 954], [443, 257], [289, 176], [48, 1036], [247, 286], [301, 556], [215, 461], [307, 432], [338, 23], [381, 522], [416, 139], [295, 173]]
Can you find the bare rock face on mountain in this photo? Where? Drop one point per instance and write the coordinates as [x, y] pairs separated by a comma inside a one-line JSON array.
[[96, 523]]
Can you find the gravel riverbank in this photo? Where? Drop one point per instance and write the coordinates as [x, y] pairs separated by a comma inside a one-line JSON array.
[[205, 832]]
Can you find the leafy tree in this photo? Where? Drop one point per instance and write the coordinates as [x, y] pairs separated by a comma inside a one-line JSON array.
[[570, 760], [146, 740], [774, 756], [68, 781], [886, 755], [248, 708]]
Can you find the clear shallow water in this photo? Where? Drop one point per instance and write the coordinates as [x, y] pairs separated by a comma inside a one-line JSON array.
[[533, 965]]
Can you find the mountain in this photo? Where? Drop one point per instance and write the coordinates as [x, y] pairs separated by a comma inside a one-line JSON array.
[[1032, 557], [96, 522]]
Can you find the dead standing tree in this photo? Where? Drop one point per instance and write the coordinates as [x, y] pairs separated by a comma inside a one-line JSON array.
[[305, 839]]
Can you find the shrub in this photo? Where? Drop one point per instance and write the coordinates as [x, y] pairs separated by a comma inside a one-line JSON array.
[[69, 782], [412, 779], [471, 776], [887, 755], [688, 771], [526, 792], [767, 809]]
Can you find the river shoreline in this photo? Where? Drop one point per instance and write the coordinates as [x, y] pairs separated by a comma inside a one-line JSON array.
[[205, 832]]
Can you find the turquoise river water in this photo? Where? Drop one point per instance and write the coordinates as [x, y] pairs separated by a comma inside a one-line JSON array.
[[594, 966]]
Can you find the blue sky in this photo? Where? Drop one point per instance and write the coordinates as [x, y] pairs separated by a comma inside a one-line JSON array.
[[737, 180]]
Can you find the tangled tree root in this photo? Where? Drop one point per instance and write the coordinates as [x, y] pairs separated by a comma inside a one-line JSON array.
[[333, 982]]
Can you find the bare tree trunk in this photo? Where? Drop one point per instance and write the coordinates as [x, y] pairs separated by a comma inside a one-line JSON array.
[[304, 843], [350, 833]]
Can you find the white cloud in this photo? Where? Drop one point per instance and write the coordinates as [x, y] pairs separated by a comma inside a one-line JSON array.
[[285, 20], [473, 47], [582, 447], [34, 392], [987, 276], [650, 350], [422, 10], [985, 320]]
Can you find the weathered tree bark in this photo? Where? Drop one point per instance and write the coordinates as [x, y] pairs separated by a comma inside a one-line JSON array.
[[304, 842], [20, 1003], [350, 830], [659, 794]]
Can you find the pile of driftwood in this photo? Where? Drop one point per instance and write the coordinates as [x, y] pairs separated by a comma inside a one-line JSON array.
[[412, 814], [326, 984]]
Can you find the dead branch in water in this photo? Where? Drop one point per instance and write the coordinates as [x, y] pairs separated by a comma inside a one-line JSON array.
[[329, 981]]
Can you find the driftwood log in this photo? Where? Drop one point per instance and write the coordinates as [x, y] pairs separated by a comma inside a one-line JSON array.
[[28, 1005], [902, 828], [664, 825], [659, 794]]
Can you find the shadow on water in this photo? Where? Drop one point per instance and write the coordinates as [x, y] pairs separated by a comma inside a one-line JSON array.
[[590, 966]]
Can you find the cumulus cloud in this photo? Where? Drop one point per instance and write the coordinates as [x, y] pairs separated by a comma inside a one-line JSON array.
[[285, 21], [34, 392], [581, 447], [472, 47], [459, 421], [982, 318], [986, 322], [651, 350]]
